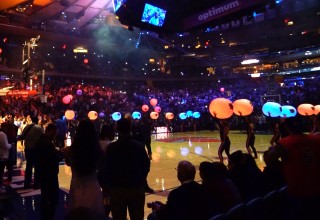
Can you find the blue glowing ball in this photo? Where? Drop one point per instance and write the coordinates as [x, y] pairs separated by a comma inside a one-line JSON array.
[[271, 109], [189, 113], [116, 116], [183, 116], [288, 111], [196, 114], [136, 115]]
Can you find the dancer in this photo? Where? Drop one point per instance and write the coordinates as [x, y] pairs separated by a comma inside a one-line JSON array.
[[251, 138], [225, 141]]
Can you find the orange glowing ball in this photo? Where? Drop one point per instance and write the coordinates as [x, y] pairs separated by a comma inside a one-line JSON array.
[[221, 108], [145, 108], [153, 102], [242, 107], [69, 114], [171, 153], [169, 115], [306, 109], [154, 115], [66, 100], [316, 109], [157, 109], [92, 115]]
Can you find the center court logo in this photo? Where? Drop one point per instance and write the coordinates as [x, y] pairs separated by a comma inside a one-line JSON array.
[[219, 10]]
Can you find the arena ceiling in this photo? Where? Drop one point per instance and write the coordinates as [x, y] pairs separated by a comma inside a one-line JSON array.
[[221, 29]]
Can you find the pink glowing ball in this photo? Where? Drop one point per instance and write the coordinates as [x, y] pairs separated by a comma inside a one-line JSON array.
[[221, 89], [157, 109], [66, 100], [153, 102], [145, 108]]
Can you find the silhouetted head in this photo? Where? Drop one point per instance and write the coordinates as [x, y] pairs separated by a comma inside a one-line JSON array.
[[186, 171]]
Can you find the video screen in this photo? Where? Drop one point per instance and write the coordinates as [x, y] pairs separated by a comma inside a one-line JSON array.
[[118, 3], [153, 15]]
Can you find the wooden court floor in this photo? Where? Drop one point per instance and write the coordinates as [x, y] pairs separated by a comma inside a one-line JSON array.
[[169, 149]]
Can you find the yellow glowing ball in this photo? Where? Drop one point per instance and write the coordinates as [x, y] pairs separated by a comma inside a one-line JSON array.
[[69, 114], [145, 108], [306, 109], [242, 107], [169, 115], [221, 108], [153, 102], [92, 115], [154, 115]]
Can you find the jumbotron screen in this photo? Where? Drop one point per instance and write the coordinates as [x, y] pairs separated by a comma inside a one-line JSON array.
[[153, 15]]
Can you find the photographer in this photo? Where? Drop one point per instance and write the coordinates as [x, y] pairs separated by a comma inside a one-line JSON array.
[[186, 202]]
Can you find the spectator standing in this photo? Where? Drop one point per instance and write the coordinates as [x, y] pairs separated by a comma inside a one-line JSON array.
[[83, 157], [126, 169], [47, 163], [31, 134], [4, 155], [11, 131]]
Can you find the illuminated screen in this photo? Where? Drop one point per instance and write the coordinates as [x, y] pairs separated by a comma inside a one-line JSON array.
[[153, 15], [118, 3]]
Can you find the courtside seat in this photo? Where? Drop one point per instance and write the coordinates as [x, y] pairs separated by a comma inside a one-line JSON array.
[[219, 217], [254, 209], [273, 204], [237, 212]]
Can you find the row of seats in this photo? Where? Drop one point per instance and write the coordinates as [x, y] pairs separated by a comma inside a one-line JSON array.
[[268, 207]]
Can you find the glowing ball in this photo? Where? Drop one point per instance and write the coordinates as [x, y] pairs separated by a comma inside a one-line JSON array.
[[189, 113], [157, 109], [183, 116], [242, 107], [169, 115], [271, 109], [66, 100], [153, 102], [70, 96], [145, 108], [317, 109], [221, 89], [101, 114], [86, 61], [184, 151], [116, 116], [171, 153], [136, 115], [92, 115], [154, 115], [69, 114], [196, 114], [79, 92], [288, 111], [198, 150], [306, 109], [221, 108]]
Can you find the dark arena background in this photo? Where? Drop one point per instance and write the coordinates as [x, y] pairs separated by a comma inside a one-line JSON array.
[[176, 70]]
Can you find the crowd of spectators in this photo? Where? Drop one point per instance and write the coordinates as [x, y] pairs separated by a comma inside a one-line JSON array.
[[176, 97]]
